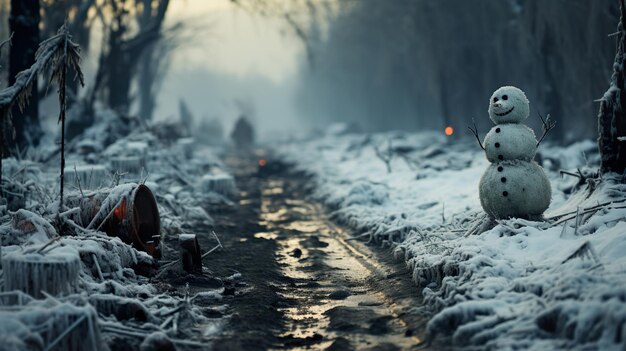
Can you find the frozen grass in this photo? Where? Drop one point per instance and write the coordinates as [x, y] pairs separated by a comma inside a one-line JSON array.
[[556, 283], [87, 285]]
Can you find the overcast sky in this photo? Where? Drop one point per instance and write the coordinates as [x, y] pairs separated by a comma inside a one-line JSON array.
[[233, 55], [234, 41]]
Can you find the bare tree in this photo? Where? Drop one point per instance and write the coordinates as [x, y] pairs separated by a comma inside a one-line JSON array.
[[128, 35], [612, 116], [155, 60]]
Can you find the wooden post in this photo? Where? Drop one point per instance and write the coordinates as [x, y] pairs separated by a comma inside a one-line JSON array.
[[191, 254]]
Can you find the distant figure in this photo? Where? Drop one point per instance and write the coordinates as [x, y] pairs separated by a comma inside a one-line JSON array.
[[243, 133]]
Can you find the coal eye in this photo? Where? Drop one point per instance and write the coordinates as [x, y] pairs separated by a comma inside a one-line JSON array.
[[505, 97], [495, 99]]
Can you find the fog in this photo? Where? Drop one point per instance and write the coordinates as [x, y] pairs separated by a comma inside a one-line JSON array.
[[413, 65], [409, 65], [233, 62]]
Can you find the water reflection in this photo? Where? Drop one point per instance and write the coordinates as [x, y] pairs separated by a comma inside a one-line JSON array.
[[318, 262]]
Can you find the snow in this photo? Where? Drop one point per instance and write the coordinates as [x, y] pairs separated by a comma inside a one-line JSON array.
[[157, 341], [54, 271], [79, 322], [27, 228], [558, 283], [223, 184], [88, 176], [61, 277]]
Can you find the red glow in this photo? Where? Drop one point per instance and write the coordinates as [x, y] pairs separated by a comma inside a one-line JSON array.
[[262, 163], [120, 211], [449, 130]]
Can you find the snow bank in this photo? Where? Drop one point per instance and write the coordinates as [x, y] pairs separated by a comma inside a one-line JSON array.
[[553, 284], [62, 278]]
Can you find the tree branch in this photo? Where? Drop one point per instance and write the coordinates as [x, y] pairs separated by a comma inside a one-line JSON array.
[[47, 57], [474, 131], [548, 125]]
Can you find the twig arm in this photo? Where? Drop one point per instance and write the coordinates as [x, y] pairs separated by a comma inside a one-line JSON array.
[[562, 172], [474, 131], [548, 125]]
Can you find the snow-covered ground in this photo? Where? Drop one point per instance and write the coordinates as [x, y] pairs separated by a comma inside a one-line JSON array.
[[93, 290], [559, 283]]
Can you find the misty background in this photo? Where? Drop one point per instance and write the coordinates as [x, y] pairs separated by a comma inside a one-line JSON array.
[[237, 62], [404, 64], [379, 65]]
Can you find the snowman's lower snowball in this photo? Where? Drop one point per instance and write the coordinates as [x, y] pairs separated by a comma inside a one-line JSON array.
[[514, 189]]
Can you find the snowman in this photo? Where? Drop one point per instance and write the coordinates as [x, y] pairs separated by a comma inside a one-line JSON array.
[[513, 185]]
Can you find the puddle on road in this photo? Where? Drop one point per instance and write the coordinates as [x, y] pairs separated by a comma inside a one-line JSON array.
[[330, 295], [245, 202], [303, 226], [266, 236]]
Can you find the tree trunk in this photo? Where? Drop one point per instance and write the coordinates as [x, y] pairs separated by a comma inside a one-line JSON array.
[[124, 54], [146, 79], [611, 118], [119, 74], [24, 23]]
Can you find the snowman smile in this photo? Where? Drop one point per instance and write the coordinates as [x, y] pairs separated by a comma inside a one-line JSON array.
[[505, 112]]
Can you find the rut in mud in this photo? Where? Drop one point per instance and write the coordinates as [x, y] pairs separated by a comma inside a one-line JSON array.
[[305, 284]]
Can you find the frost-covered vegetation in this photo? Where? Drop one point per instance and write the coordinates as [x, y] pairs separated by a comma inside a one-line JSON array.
[[557, 283], [66, 283]]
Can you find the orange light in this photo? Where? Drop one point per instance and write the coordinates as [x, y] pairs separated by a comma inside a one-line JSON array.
[[449, 130], [262, 163], [120, 211]]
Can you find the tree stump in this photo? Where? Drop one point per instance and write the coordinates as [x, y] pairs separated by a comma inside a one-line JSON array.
[[88, 177], [223, 184], [187, 147], [55, 272], [127, 164]]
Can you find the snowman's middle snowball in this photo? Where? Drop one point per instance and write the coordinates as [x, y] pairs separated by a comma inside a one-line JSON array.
[[510, 141]]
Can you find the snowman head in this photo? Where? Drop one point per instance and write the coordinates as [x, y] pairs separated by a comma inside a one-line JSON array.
[[508, 105]]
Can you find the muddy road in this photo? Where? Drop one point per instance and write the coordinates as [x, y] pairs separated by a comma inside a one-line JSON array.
[[303, 283]]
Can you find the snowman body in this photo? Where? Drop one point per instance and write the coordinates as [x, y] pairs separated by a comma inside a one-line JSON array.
[[514, 188], [513, 185], [510, 141]]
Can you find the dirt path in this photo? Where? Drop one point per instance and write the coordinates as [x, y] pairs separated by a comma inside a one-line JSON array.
[[304, 284]]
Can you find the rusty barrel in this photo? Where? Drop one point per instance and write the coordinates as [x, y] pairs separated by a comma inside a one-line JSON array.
[[128, 211]]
